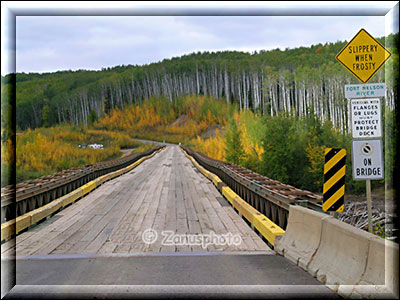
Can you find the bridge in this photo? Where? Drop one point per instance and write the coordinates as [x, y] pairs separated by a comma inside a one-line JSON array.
[[173, 221]]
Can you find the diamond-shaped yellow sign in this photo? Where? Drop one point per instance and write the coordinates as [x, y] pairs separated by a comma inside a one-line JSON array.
[[363, 56]]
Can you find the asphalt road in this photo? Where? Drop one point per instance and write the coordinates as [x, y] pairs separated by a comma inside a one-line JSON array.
[[282, 277]]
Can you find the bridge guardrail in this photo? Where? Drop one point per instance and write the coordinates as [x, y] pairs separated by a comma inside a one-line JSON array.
[[32, 194], [265, 227], [270, 197]]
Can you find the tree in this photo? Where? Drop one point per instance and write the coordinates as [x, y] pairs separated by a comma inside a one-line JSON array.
[[234, 149], [92, 117], [46, 116], [279, 145], [49, 92]]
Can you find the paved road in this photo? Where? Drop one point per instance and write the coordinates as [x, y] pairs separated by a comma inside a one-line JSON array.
[[178, 269]]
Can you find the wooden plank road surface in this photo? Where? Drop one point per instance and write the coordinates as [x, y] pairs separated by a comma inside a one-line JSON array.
[[164, 193]]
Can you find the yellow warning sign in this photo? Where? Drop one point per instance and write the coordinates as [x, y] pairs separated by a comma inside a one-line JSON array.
[[334, 179], [363, 56]]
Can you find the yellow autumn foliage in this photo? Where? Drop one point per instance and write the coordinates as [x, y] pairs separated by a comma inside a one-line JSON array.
[[45, 151], [213, 147], [7, 153], [45, 155], [251, 146], [133, 117], [155, 119], [316, 157]]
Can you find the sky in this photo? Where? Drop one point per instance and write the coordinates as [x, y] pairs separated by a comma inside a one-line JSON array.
[[52, 43]]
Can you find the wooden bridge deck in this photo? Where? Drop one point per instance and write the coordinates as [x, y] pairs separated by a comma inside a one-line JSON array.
[[163, 193]]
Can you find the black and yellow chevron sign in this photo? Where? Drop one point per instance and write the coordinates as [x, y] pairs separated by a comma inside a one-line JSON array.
[[334, 175]]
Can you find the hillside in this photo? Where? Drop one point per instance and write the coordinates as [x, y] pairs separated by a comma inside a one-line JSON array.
[[273, 111], [296, 81]]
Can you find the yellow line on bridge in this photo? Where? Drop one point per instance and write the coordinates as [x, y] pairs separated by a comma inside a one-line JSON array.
[[10, 228], [265, 226]]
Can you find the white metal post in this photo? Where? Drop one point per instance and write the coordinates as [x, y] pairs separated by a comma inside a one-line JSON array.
[[369, 205]]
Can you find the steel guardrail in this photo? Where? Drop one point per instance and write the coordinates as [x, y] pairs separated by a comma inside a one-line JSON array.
[[272, 198], [32, 194]]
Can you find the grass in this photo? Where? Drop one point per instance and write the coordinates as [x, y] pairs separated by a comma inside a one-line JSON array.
[[45, 151]]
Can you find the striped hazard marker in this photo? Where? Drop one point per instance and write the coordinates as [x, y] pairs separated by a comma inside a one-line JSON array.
[[334, 179]]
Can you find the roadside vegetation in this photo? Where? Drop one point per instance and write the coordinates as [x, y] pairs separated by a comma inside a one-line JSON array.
[[44, 151], [286, 148], [283, 147]]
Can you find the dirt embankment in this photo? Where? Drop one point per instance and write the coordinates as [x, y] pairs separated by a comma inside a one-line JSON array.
[[211, 131], [181, 121], [126, 152]]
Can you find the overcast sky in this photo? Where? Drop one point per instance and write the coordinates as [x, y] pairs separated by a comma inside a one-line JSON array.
[[51, 43]]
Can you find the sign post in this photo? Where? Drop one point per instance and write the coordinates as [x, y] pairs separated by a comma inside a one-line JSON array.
[[368, 165], [363, 56], [369, 204]]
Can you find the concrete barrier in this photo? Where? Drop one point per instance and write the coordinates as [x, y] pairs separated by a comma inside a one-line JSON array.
[[302, 236], [342, 254], [381, 275], [352, 262]]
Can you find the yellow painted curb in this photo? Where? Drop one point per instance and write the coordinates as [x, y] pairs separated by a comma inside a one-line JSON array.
[[88, 187], [215, 179], [7, 229], [265, 226], [44, 211], [71, 197], [22, 221], [200, 168], [15, 226], [268, 229], [100, 180]]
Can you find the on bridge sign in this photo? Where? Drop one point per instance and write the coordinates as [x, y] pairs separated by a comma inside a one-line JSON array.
[[367, 160], [366, 118]]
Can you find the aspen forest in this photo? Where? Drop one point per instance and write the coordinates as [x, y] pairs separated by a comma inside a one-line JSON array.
[[272, 111]]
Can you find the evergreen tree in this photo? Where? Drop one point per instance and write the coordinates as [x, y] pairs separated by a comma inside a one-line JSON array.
[[234, 149], [282, 157], [46, 116], [92, 117]]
